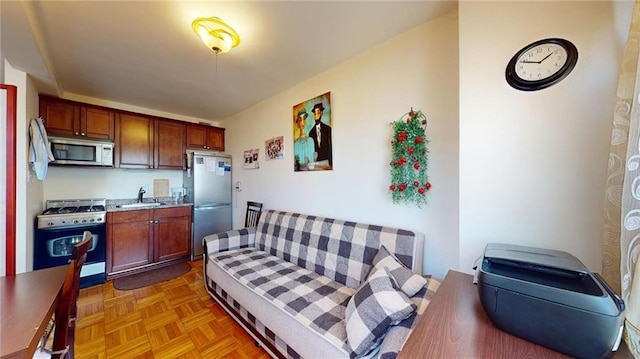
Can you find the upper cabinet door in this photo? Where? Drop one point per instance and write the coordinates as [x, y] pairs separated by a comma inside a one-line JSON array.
[[60, 118], [170, 144], [196, 136], [134, 141], [215, 138], [205, 137], [97, 123], [73, 119]]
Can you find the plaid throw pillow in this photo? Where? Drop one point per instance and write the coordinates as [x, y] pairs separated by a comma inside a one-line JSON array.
[[409, 282], [376, 306]]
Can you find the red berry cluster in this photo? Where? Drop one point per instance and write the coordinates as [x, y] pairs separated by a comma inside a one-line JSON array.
[[402, 186]]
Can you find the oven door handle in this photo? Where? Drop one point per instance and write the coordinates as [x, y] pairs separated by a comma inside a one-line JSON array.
[[84, 226]]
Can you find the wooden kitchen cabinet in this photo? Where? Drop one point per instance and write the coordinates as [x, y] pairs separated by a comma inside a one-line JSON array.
[[170, 144], [141, 141], [134, 141], [74, 119], [146, 142], [143, 239], [205, 137], [172, 233], [97, 123], [128, 240]]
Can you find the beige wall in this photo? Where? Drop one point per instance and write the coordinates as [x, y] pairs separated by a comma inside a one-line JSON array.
[[28, 192], [505, 165], [416, 69], [83, 182], [533, 164]]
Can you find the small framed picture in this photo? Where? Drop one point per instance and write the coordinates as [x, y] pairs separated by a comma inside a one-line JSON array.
[[274, 148], [251, 159]]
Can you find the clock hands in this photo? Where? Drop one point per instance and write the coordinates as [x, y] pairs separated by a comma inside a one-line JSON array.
[[546, 57], [536, 62]]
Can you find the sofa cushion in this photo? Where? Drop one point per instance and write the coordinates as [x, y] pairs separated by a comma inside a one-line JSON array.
[[340, 250], [313, 300], [409, 282], [377, 305], [398, 334]]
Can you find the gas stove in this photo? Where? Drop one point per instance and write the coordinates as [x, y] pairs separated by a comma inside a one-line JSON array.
[[73, 212]]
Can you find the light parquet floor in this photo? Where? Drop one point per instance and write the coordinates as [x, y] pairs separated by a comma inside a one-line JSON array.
[[172, 319]]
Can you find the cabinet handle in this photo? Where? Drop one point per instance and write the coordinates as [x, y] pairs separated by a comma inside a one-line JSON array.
[[82, 134], [151, 222], [77, 134], [156, 222]]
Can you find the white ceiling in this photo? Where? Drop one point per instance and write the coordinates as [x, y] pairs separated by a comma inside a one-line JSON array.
[[145, 54]]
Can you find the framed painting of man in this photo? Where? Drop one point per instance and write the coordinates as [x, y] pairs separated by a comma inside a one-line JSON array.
[[312, 141]]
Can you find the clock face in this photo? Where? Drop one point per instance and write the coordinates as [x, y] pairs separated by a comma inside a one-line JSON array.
[[541, 64]]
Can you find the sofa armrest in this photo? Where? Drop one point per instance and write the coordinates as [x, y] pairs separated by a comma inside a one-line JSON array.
[[224, 241]]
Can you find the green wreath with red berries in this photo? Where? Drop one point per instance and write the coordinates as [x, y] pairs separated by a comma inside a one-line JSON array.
[[409, 180]]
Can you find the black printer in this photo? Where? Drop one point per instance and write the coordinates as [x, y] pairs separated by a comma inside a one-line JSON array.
[[550, 298]]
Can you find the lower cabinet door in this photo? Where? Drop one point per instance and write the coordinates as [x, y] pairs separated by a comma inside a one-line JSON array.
[[172, 236], [130, 247], [128, 240]]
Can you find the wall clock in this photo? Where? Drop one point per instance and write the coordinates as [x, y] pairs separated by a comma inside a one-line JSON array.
[[541, 64]]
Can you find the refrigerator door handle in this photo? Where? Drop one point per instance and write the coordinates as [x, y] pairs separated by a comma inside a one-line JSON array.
[[212, 206]]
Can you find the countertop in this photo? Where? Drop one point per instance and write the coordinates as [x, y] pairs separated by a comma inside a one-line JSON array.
[[113, 205]]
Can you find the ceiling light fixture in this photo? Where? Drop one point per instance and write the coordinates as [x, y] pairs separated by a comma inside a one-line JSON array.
[[215, 34]]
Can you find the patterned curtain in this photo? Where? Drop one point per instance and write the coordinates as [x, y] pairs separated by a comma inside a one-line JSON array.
[[621, 247]]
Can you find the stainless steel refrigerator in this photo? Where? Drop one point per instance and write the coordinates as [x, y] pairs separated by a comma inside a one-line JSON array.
[[207, 183]]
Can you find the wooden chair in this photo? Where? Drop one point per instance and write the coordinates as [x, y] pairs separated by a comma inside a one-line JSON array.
[[66, 309], [253, 214]]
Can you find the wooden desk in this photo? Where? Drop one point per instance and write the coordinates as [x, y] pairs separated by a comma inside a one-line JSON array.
[[454, 325], [27, 301]]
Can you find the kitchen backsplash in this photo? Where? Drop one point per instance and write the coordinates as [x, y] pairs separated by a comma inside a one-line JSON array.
[[110, 183]]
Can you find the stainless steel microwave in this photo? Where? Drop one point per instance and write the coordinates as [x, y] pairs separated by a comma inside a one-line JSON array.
[[71, 151]]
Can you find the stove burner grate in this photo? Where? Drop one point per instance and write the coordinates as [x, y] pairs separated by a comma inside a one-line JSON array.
[[64, 210], [91, 209]]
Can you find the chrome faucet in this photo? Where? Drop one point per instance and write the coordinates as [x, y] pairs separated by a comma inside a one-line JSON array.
[[141, 192]]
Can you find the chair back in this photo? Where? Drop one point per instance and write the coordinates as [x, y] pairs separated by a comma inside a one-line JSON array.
[[253, 214], [66, 310]]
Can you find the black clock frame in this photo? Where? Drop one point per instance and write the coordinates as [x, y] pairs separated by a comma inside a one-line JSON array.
[[525, 85]]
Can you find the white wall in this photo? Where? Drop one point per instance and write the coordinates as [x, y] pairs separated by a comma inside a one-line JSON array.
[[506, 166], [2, 61], [416, 69], [110, 183], [533, 164], [34, 187], [27, 194]]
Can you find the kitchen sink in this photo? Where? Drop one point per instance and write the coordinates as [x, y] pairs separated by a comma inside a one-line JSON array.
[[144, 204]]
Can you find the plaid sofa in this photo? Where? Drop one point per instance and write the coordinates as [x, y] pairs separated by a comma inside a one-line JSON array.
[[288, 280]]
